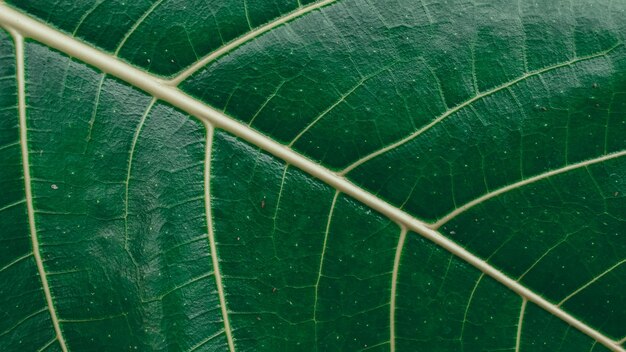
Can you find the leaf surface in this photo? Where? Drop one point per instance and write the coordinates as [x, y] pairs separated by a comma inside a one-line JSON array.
[[339, 175]]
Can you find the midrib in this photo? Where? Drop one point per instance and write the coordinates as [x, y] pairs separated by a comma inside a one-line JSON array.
[[166, 92]]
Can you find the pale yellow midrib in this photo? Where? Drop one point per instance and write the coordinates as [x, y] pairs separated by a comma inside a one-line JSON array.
[[163, 91]]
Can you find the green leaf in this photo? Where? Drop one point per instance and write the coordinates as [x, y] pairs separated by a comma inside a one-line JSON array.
[[293, 175]]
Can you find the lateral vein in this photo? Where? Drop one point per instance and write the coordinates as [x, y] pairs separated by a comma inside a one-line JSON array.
[[156, 87], [211, 236], [524, 182], [136, 25], [21, 92], [15, 261], [321, 266], [244, 39], [469, 102], [591, 282], [394, 287], [520, 323], [129, 168]]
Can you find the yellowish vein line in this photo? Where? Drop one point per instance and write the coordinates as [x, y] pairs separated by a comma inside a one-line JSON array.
[[244, 39], [211, 236], [136, 25], [154, 86], [394, 287], [21, 92], [591, 282], [129, 171], [520, 322], [321, 266], [9, 206], [468, 103], [519, 184], [27, 255], [469, 303], [45, 347], [245, 8], [341, 99]]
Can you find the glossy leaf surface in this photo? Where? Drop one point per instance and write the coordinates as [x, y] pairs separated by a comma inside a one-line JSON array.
[[467, 190]]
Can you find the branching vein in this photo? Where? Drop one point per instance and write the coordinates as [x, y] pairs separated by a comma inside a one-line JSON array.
[[520, 323], [522, 183], [211, 236], [246, 38], [321, 266], [394, 287], [154, 86], [19, 56], [469, 102]]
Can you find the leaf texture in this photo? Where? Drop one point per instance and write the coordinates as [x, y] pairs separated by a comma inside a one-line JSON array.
[[445, 176]]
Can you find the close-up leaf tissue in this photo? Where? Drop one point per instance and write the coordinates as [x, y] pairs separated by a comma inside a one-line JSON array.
[[313, 175]]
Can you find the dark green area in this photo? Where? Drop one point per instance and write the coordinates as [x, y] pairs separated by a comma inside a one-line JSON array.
[[163, 36], [530, 96]]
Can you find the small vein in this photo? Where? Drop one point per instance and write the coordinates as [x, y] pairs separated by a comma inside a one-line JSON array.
[[136, 25], [15, 261], [45, 347], [244, 39], [269, 98], [85, 15], [321, 266], [520, 322], [280, 195], [88, 320], [22, 321], [469, 302], [9, 206], [468, 103], [245, 8], [19, 56], [427, 12], [590, 282], [177, 287], [341, 99], [129, 168], [205, 341], [94, 112], [521, 183], [10, 145], [545, 254]]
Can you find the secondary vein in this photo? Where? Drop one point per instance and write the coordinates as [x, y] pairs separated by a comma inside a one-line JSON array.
[[394, 287], [211, 236], [244, 39], [524, 182], [19, 55], [467, 103], [321, 266]]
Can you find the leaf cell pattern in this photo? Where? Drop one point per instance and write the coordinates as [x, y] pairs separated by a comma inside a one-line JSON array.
[[131, 222]]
